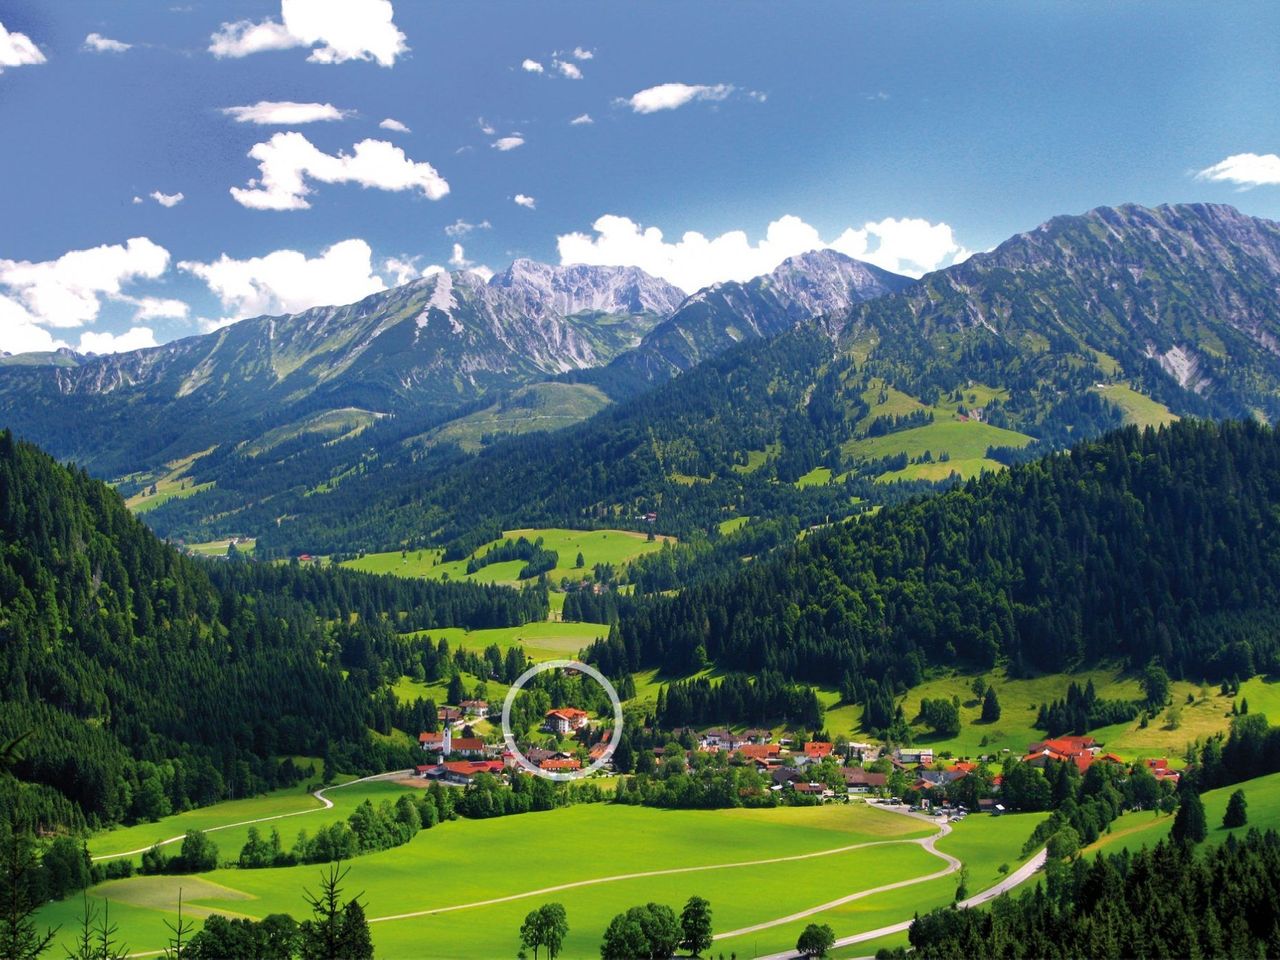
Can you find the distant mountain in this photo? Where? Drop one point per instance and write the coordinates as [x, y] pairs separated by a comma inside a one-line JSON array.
[[820, 283], [1121, 315], [429, 346], [1183, 301]]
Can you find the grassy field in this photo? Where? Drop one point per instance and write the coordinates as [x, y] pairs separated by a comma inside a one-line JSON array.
[[962, 439], [617, 547], [464, 862], [1020, 701], [300, 810], [327, 426], [540, 406], [218, 548], [1135, 830], [168, 486], [1137, 409], [544, 640]]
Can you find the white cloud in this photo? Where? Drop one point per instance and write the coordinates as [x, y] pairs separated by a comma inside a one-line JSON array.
[[485, 127], [68, 292], [583, 54], [287, 281], [336, 30], [508, 143], [288, 159], [266, 112], [694, 261], [1246, 169], [135, 338], [394, 125], [524, 201], [153, 308], [17, 50], [531, 66], [459, 261], [97, 43], [460, 227], [137, 199], [19, 332], [167, 199], [402, 270], [568, 69], [669, 96], [581, 120]]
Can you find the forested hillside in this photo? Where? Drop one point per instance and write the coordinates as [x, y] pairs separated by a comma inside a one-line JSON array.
[[140, 681], [1157, 544]]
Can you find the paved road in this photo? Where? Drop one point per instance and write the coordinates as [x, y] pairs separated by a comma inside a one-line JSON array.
[[318, 794], [1021, 875]]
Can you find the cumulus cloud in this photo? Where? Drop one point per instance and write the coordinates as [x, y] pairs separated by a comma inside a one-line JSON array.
[[508, 143], [459, 261], [460, 227], [335, 31], [1245, 169], [19, 332], [288, 281], [580, 120], [581, 53], [568, 69], [669, 96], [909, 246], [402, 270], [522, 200], [68, 292], [394, 125], [17, 50], [167, 199], [287, 160], [531, 66], [485, 127], [135, 338], [97, 43], [280, 112], [153, 308]]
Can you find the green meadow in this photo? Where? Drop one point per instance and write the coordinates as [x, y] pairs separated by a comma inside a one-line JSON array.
[[1133, 831], [543, 640], [445, 877], [616, 547]]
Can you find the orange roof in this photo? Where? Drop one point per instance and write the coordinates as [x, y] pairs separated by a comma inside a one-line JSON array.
[[469, 767], [567, 713], [758, 751], [817, 748], [572, 763], [468, 743], [964, 766], [431, 738]]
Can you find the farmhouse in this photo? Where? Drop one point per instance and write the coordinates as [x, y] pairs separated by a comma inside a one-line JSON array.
[[756, 735], [811, 789], [759, 751], [475, 708], [785, 775], [1160, 770], [565, 720], [468, 747], [561, 764], [461, 772], [717, 739], [817, 749], [910, 755], [1077, 750], [450, 715], [857, 780]]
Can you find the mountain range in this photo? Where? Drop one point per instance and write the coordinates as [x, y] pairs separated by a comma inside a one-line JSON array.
[[798, 393]]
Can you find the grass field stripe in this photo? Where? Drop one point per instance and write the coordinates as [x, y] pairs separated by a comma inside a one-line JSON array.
[[318, 794]]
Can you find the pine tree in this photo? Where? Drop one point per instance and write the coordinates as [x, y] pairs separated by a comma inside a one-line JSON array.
[[19, 937], [1189, 824], [990, 706], [1237, 814]]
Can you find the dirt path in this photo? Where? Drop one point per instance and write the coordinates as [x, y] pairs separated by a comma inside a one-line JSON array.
[[318, 794]]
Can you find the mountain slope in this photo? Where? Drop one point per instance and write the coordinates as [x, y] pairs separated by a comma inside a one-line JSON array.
[[816, 284], [1026, 348], [429, 346]]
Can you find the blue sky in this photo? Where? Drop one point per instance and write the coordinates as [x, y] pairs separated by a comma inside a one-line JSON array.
[[907, 133]]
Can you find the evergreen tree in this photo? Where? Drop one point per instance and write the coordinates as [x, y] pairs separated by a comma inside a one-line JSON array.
[[695, 923], [990, 706], [1237, 811], [1189, 824], [20, 938]]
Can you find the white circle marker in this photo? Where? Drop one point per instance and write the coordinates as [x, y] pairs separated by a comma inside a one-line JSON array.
[[528, 675]]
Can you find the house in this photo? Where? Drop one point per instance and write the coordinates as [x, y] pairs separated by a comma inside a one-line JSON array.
[[717, 739], [937, 779], [758, 751], [462, 773], [475, 708], [561, 764], [597, 751], [857, 780], [817, 749], [435, 742], [1077, 750], [784, 775], [564, 720], [988, 805], [468, 747], [536, 755], [450, 715], [1160, 770], [917, 755], [811, 789], [757, 735]]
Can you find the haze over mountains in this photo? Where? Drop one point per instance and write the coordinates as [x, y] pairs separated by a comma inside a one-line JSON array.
[[1127, 314]]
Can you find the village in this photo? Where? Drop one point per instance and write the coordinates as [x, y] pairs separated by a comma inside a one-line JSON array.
[[798, 771]]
